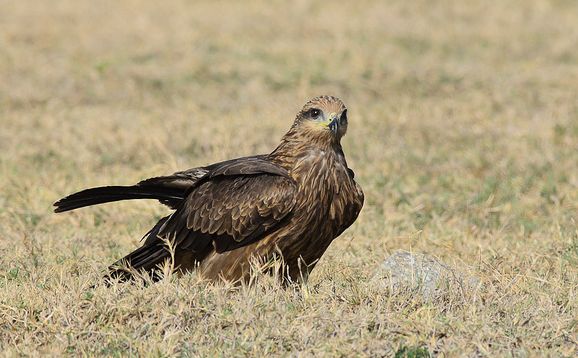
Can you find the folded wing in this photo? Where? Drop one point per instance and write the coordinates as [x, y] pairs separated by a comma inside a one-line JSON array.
[[230, 212], [233, 205]]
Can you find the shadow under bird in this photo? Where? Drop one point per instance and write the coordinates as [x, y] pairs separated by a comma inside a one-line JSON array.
[[289, 204]]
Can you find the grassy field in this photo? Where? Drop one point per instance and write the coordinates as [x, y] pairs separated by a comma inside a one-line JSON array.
[[463, 134]]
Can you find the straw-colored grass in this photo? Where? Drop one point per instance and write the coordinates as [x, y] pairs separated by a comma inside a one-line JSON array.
[[463, 133]]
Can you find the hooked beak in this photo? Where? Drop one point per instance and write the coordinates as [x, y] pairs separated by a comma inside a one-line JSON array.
[[333, 122]]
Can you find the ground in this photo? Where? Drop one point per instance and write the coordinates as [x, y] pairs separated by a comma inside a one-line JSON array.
[[463, 134]]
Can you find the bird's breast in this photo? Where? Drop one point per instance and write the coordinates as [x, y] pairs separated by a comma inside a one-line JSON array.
[[324, 193]]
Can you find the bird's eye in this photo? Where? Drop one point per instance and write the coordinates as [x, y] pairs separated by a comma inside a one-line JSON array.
[[314, 113]]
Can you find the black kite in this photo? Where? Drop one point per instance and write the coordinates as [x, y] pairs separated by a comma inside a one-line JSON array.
[[290, 203]]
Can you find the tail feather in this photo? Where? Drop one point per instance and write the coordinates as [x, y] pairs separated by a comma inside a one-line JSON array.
[[106, 194]]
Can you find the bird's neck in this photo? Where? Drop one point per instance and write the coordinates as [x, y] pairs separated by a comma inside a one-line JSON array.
[[298, 142]]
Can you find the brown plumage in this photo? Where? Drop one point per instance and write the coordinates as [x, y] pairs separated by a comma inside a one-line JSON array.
[[288, 204]]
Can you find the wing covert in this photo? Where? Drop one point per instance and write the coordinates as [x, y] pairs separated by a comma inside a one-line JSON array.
[[230, 211]]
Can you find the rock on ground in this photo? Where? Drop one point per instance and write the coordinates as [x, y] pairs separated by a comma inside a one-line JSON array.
[[424, 274]]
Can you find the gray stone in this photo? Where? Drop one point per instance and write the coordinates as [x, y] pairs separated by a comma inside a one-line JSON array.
[[423, 274]]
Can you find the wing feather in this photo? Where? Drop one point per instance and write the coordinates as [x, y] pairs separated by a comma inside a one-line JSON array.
[[232, 208]]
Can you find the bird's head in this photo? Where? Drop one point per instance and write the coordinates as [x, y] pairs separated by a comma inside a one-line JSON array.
[[323, 116]]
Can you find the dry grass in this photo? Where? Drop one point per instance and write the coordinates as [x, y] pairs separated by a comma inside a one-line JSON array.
[[463, 134]]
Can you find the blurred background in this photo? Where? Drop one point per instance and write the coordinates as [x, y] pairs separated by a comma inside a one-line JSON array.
[[463, 123]]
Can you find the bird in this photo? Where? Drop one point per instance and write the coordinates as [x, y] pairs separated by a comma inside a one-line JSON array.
[[288, 205]]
